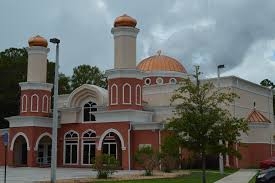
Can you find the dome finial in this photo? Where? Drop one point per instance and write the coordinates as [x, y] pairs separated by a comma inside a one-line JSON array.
[[125, 20], [38, 41]]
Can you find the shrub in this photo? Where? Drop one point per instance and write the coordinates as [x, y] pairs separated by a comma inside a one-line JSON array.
[[105, 165], [169, 154], [148, 159]]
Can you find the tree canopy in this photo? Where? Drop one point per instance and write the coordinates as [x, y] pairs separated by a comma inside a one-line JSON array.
[[85, 74], [201, 119]]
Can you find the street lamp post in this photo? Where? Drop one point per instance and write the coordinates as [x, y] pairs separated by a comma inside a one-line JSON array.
[[55, 113], [6, 141], [221, 166]]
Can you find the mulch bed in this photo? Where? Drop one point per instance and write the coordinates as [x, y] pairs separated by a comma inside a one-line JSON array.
[[156, 175]]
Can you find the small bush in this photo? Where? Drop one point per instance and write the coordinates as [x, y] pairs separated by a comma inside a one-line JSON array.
[[148, 159], [169, 154], [105, 165]]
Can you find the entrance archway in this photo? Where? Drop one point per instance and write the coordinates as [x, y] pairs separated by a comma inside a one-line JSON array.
[[43, 148], [20, 151], [111, 145]]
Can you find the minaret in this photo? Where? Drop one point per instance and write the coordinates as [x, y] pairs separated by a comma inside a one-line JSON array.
[[125, 81], [36, 93]]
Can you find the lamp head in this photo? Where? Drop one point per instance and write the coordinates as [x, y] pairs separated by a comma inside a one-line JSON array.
[[55, 40]]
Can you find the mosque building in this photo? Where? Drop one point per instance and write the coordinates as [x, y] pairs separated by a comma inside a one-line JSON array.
[[128, 115]]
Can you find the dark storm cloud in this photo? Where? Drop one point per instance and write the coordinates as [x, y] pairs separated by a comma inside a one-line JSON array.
[[237, 24]]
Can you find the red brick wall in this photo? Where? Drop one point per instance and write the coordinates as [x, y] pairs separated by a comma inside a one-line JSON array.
[[40, 94], [120, 82], [32, 133], [143, 137], [99, 128], [252, 154], [2, 151]]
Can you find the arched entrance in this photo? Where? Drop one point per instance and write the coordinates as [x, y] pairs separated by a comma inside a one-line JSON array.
[[44, 147], [111, 145], [20, 151]]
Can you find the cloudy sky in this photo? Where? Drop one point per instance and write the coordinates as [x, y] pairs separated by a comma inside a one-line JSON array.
[[237, 33]]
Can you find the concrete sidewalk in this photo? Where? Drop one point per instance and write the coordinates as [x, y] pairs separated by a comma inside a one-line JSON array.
[[241, 176], [29, 175]]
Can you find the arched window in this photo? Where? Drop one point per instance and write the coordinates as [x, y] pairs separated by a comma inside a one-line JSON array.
[[34, 103], [110, 145], [45, 104], [71, 147], [138, 95], [89, 108], [114, 94], [126, 93], [88, 147], [24, 104]]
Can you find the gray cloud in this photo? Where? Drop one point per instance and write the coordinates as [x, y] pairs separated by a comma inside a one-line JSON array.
[[205, 32]]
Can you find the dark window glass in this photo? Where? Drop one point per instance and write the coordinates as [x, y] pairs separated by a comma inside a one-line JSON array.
[[86, 154], [67, 154], [113, 150], [74, 153]]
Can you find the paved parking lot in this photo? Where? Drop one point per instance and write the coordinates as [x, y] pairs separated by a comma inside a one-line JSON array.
[[28, 175]]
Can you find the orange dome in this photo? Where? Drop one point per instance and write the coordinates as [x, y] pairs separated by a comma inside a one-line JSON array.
[[38, 41], [125, 20], [161, 63]]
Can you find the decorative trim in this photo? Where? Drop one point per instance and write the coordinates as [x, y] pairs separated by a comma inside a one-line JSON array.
[[37, 102], [138, 92], [38, 50], [116, 97], [36, 86], [89, 130], [125, 31], [99, 95], [148, 126], [173, 81], [124, 73], [122, 115], [23, 121], [47, 106], [108, 131], [159, 81], [164, 74], [39, 138], [24, 109], [147, 83], [123, 94], [15, 137]]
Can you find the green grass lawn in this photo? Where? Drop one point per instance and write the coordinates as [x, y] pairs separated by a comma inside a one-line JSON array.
[[194, 177]]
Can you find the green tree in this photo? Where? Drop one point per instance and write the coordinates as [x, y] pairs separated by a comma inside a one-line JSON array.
[[269, 84], [13, 70], [64, 86], [200, 121], [85, 74]]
